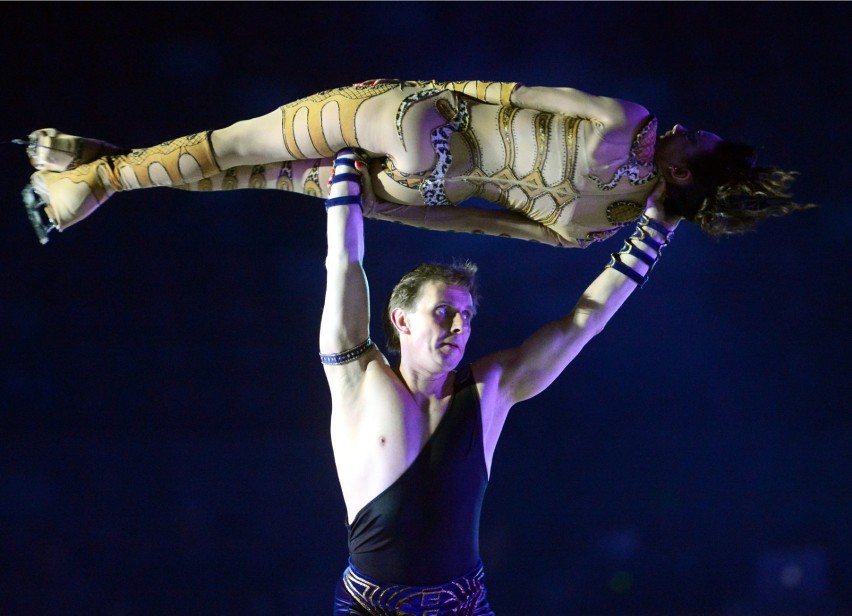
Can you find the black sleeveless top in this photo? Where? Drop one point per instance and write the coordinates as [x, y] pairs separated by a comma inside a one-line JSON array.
[[423, 529]]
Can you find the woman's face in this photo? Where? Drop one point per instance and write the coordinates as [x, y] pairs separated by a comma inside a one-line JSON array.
[[679, 146]]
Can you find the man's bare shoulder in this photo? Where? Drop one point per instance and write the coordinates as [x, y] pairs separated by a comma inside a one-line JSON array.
[[489, 373], [368, 376]]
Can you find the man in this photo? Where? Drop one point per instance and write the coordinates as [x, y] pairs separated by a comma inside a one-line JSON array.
[[413, 444]]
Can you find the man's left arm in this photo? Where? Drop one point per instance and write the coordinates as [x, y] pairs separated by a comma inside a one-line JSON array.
[[525, 371]]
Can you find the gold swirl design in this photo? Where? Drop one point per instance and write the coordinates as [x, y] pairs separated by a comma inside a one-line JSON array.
[[348, 100], [496, 186]]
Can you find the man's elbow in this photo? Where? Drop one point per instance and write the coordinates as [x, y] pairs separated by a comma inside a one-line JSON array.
[[342, 260], [588, 321]]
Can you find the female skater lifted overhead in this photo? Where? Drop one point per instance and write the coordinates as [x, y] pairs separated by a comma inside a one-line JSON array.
[[568, 168]]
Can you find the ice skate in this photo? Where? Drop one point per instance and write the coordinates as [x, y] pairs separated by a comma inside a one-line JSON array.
[[50, 150], [59, 199]]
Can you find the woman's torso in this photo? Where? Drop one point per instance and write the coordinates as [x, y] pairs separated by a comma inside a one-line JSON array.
[[557, 170]]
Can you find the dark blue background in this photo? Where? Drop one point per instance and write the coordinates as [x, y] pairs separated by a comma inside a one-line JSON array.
[[164, 419]]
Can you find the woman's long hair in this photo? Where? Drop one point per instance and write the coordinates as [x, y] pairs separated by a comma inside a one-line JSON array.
[[730, 194]]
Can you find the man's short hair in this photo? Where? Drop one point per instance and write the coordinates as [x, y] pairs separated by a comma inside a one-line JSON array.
[[407, 291]]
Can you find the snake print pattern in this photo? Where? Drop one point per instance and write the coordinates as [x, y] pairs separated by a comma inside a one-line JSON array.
[[641, 160]]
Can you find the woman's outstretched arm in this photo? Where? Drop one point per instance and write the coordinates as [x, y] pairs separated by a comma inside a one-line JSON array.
[[499, 223], [310, 178]]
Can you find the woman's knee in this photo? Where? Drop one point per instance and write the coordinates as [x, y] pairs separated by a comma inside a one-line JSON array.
[[250, 142]]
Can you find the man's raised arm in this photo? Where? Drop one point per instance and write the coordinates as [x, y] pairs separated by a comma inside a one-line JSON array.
[[522, 372], [344, 330]]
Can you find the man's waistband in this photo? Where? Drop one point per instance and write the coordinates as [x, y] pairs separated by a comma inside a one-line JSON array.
[[459, 596]]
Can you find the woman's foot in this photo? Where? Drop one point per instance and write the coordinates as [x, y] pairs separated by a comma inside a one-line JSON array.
[[67, 197], [57, 200], [51, 150]]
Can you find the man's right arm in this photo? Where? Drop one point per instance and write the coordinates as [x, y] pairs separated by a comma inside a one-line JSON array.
[[346, 313]]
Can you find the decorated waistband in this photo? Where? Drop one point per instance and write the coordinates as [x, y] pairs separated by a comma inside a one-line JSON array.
[[458, 597]]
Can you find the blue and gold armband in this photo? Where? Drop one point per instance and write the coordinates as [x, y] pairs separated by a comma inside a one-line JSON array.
[[630, 248], [345, 158], [336, 359]]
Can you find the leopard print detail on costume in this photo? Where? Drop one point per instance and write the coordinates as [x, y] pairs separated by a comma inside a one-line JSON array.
[[407, 103], [432, 188], [641, 160], [431, 184]]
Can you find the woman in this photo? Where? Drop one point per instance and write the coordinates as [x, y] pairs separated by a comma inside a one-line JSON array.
[[568, 168]]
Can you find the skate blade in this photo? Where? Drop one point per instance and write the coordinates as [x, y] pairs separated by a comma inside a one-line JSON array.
[[42, 225]]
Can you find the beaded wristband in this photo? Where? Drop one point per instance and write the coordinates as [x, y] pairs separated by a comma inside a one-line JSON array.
[[336, 359]]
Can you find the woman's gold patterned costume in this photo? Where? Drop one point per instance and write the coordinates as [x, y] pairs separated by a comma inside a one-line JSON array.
[[432, 145], [525, 160]]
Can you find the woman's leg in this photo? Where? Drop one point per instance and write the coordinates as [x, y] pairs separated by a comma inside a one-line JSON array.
[[68, 197], [387, 119], [316, 126], [310, 128], [307, 177], [321, 125], [251, 142]]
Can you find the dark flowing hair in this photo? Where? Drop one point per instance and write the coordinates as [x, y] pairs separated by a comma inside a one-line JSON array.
[[730, 194], [407, 290]]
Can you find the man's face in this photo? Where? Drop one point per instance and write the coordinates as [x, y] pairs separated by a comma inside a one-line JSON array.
[[439, 326]]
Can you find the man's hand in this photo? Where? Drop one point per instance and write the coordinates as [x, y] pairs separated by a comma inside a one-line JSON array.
[[347, 176], [369, 200]]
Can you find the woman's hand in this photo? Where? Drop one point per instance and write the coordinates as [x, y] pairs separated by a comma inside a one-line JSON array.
[[654, 207]]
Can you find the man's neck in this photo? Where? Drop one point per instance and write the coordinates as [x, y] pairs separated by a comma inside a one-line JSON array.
[[423, 384]]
